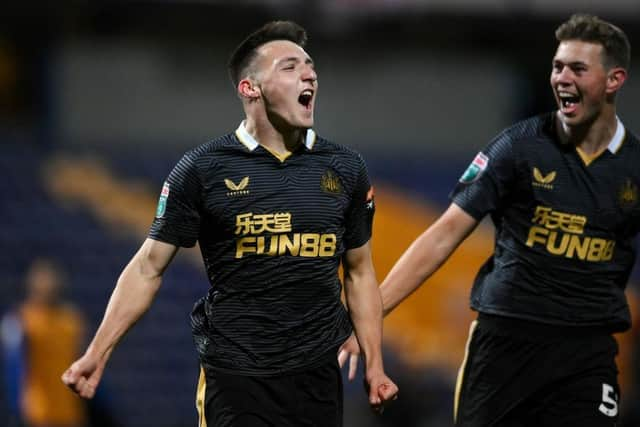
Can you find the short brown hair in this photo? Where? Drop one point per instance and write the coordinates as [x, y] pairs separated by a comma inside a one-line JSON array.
[[589, 28], [244, 54]]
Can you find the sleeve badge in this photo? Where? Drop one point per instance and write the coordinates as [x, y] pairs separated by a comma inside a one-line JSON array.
[[475, 169]]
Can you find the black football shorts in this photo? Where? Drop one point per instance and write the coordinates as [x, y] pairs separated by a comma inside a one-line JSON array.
[[310, 398], [520, 374]]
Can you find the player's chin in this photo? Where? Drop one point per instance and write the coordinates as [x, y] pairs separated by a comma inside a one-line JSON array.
[[570, 119], [304, 122]]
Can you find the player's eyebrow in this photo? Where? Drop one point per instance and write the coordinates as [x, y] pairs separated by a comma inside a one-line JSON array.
[[296, 60], [571, 64]]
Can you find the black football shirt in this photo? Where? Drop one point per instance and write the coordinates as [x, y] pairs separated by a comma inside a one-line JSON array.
[[565, 225], [272, 231]]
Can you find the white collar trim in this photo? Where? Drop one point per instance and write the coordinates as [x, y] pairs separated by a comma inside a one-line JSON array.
[[618, 137], [250, 142]]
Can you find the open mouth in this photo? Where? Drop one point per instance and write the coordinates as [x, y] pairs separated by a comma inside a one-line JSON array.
[[568, 100], [305, 98]]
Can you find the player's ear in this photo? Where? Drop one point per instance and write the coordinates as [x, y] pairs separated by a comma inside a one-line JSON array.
[[248, 89], [615, 79]]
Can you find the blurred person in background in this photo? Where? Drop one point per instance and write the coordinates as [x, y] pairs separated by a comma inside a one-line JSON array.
[[40, 338], [275, 209], [562, 191]]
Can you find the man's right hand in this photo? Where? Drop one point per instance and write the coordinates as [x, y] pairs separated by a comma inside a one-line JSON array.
[[84, 375], [350, 349]]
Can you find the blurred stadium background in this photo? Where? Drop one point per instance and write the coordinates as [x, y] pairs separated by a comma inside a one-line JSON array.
[[98, 100]]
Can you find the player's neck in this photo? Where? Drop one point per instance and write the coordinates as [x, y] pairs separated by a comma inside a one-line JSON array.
[[276, 140], [592, 138]]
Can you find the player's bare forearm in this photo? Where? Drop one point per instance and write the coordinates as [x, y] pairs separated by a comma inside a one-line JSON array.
[[365, 305], [130, 299], [425, 255], [365, 308], [133, 294]]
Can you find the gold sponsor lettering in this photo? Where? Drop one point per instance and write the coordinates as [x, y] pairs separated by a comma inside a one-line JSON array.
[[579, 247], [287, 245], [553, 219], [250, 223], [557, 249], [537, 235], [296, 244], [246, 245], [273, 246], [560, 235], [600, 250], [243, 223], [327, 245], [310, 243], [252, 227]]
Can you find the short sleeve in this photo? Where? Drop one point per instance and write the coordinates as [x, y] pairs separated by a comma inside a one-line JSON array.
[[488, 179], [359, 219], [177, 219]]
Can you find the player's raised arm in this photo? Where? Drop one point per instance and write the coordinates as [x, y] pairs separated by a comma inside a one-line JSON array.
[[131, 298], [365, 308], [425, 255]]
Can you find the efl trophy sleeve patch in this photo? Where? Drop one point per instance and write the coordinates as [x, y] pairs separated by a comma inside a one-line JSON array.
[[475, 169], [162, 202]]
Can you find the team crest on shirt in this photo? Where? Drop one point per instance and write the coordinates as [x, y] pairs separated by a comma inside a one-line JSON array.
[[628, 194], [475, 169], [162, 202], [330, 183], [239, 189]]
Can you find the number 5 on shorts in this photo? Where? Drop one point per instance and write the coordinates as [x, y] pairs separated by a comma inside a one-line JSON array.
[[609, 406]]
